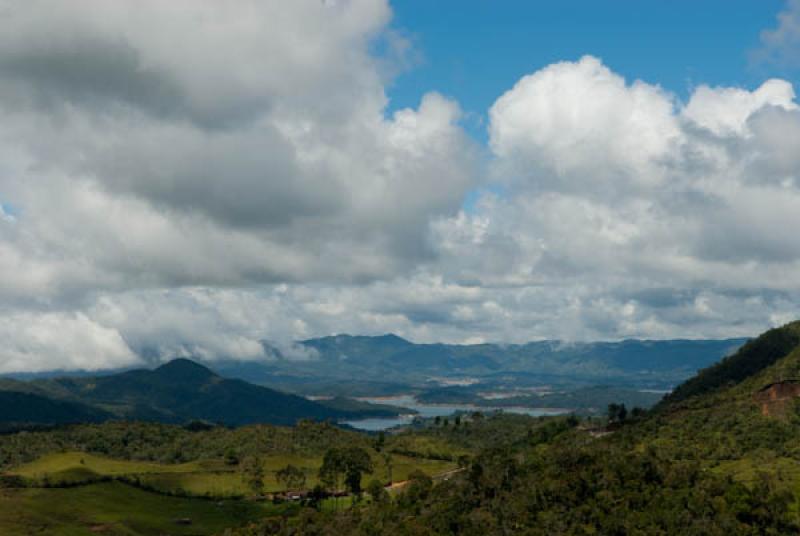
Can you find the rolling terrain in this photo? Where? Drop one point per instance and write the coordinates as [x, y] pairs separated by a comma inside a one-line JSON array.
[[582, 377], [177, 392], [147, 478]]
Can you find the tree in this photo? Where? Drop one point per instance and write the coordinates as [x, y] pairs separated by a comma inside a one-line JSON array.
[[387, 461], [231, 458], [357, 461], [345, 465], [380, 441], [617, 413], [293, 478], [253, 470], [332, 469], [418, 488], [377, 491], [573, 420]]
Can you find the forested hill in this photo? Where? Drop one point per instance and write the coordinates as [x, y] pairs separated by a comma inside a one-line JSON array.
[[750, 359], [176, 392], [19, 408]]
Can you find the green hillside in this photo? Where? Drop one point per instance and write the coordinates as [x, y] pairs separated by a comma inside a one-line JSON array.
[[753, 357], [177, 392], [20, 408], [745, 406]]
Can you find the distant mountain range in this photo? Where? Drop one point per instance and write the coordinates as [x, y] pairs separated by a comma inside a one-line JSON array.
[[349, 366], [177, 392], [361, 365]]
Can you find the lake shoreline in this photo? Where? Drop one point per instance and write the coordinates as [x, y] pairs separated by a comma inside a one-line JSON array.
[[426, 410]]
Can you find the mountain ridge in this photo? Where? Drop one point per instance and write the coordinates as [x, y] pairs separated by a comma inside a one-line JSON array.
[[343, 355], [753, 359], [176, 392], [640, 363]]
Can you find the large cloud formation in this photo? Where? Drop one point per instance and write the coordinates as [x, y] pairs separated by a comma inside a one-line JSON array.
[[208, 143], [637, 213], [192, 177], [164, 144]]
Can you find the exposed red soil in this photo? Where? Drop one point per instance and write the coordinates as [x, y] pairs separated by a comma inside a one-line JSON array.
[[774, 399]]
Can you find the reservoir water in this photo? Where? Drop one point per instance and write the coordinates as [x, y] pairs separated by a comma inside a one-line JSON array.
[[435, 410]]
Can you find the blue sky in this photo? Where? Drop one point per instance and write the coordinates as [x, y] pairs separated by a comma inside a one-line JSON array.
[[474, 50]]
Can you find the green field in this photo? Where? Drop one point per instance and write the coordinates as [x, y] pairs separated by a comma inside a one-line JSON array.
[[115, 508], [53, 463], [120, 478], [231, 484], [203, 478], [206, 492]]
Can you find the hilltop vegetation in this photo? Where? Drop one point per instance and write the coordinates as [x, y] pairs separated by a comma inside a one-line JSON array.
[[164, 443], [753, 357]]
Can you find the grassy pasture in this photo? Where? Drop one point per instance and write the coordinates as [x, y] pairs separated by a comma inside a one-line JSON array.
[[120, 509], [207, 491], [211, 478], [231, 484], [113, 508], [54, 463]]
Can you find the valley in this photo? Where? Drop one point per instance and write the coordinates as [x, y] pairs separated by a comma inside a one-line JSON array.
[[374, 366], [466, 458], [344, 381]]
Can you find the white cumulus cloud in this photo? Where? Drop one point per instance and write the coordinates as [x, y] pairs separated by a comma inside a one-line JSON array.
[[221, 179]]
